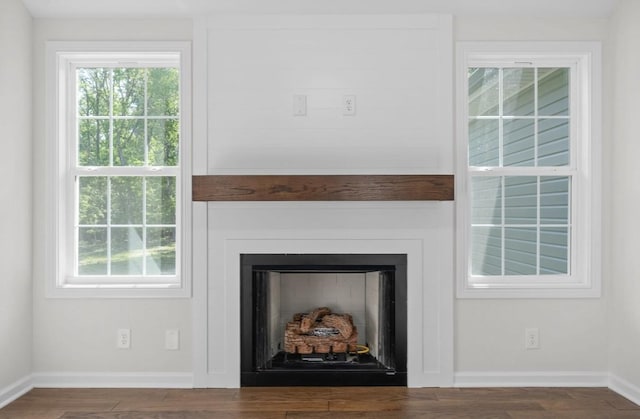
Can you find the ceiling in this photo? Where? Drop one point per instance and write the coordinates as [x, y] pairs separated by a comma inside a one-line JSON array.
[[190, 8]]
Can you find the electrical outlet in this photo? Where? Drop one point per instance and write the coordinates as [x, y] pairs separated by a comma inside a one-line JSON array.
[[124, 339], [349, 105], [172, 339], [299, 105], [532, 338]]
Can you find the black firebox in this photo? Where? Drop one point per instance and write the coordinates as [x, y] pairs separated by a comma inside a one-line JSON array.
[[377, 282]]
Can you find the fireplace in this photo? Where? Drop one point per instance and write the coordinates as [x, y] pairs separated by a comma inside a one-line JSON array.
[[323, 319], [421, 231]]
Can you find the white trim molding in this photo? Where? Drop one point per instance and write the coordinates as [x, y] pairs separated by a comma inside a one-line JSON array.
[[113, 380], [625, 388], [199, 226], [15, 390], [531, 379]]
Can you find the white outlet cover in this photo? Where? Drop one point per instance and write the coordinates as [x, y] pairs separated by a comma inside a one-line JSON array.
[[299, 105], [532, 338], [172, 339], [349, 105], [124, 338]]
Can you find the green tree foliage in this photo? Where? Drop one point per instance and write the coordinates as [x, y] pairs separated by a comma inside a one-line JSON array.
[[127, 117]]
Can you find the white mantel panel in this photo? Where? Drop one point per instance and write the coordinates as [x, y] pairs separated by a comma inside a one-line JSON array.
[[398, 67], [423, 231]]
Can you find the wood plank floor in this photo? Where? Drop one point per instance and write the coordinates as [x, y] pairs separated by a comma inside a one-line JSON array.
[[321, 402]]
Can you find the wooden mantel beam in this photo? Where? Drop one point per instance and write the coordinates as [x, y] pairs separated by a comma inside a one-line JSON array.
[[323, 188]]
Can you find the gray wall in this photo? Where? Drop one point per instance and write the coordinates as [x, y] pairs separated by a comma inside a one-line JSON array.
[[15, 191], [622, 246], [489, 334], [79, 335]]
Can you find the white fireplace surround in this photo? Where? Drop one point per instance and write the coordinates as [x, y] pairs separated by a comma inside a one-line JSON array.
[[422, 231]]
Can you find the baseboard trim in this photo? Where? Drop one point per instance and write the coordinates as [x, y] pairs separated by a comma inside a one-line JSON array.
[[15, 390], [625, 388], [112, 380], [531, 379]]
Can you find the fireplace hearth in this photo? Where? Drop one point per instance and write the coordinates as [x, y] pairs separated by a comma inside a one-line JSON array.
[[323, 319]]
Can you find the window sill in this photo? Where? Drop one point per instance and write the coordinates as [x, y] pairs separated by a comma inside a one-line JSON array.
[[544, 292], [119, 291]]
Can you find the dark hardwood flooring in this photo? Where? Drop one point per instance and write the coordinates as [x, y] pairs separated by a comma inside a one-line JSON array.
[[321, 402]]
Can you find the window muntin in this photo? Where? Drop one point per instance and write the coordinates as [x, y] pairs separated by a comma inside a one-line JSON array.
[[126, 162]]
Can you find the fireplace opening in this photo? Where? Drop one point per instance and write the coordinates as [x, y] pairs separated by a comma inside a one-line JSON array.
[[323, 319]]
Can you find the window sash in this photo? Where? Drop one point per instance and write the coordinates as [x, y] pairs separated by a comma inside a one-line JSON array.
[[74, 118], [109, 225], [75, 170], [574, 100], [530, 245], [501, 223]]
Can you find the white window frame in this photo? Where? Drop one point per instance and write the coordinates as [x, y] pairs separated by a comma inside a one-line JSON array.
[[584, 278], [61, 60]]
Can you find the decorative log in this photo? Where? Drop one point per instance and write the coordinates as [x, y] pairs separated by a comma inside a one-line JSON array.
[[301, 338], [309, 320]]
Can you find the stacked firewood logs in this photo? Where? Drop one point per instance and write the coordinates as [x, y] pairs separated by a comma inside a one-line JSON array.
[[320, 331]]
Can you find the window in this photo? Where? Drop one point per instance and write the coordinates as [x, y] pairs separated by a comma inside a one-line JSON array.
[[121, 137], [528, 178]]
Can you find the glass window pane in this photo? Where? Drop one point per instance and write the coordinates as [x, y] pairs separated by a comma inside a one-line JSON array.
[[484, 142], [486, 251], [93, 142], [161, 251], [92, 251], [519, 142], [126, 200], [483, 91], [486, 200], [554, 200], [554, 250], [163, 91], [553, 91], [128, 142], [518, 91], [126, 251], [521, 200], [163, 135], [92, 200], [94, 91], [161, 200], [553, 142], [520, 247], [128, 91]]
